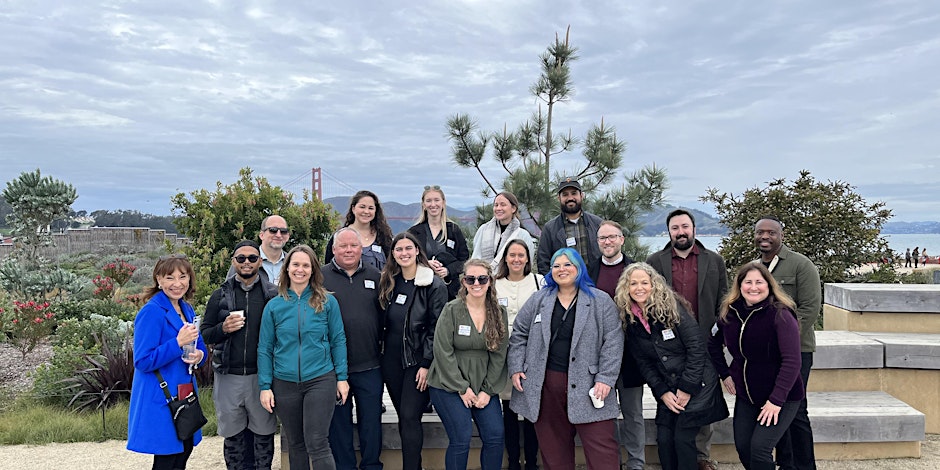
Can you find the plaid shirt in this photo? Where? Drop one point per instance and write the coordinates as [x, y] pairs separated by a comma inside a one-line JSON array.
[[577, 231]]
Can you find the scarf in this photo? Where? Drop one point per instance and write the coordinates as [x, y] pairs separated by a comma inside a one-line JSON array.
[[492, 238], [635, 309]]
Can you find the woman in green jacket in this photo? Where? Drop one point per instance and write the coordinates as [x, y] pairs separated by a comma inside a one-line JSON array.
[[302, 359], [469, 369]]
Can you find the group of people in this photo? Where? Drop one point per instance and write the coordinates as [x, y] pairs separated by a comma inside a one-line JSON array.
[[531, 359], [917, 256]]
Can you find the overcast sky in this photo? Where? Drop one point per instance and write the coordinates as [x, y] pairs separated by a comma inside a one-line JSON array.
[[132, 102]]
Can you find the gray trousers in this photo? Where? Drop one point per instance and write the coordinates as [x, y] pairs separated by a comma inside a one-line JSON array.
[[632, 429]]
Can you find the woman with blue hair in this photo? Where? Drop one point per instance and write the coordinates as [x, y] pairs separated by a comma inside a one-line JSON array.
[[564, 357]]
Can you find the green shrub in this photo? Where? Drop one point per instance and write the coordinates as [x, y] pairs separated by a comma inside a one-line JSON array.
[[87, 334], [47, 378]]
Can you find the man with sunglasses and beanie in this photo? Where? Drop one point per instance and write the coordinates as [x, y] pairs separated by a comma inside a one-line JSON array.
[[231, 324]]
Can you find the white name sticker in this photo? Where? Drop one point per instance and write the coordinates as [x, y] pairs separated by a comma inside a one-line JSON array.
[[377, 248], [538, 318], [450, 244], [400, 300], [504, 301], [570, 241], [370, 284], [668, 334], [463, 330]]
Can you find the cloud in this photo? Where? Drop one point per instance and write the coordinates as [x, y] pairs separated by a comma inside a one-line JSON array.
[[133, 102]]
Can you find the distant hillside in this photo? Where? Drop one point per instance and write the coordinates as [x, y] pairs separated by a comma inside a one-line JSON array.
[[911, 227], [401, 216]]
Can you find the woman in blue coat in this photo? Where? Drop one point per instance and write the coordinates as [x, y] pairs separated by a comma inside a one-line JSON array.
[[161, 329]]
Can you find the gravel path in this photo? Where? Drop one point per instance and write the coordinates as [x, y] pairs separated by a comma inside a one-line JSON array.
[[111, 455]]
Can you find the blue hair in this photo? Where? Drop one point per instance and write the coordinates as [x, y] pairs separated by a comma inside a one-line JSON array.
[[583, 282]]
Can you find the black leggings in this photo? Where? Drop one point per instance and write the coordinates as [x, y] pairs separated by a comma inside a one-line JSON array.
[[174, 461]]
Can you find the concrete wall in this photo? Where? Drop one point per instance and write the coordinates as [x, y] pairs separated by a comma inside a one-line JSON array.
[[100, 239]]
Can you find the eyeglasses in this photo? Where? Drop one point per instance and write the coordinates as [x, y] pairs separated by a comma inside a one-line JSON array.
[[283, 230], [435, 187], [604, 238], [482, 280], [242, 258], [564, 265]]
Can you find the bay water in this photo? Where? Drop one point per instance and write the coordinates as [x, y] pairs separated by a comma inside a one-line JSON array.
[[897, 241]]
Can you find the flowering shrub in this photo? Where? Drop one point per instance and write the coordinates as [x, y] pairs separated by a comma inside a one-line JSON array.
[[104, 287], [31, 322], [120, 271]]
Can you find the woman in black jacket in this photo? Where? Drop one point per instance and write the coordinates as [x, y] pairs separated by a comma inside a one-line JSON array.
[[441, 240], [412, 297], [671, 353]]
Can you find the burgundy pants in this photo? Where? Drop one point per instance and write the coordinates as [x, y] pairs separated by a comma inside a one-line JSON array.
[[556, 433]]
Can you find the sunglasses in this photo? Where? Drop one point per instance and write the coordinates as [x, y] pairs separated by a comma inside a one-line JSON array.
[[243, 258], [482, 280], [283, 230], [432, 187]]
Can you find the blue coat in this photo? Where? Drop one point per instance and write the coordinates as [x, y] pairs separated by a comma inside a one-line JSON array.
[[149, 425]]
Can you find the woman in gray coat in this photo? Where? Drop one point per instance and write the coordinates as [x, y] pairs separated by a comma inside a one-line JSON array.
[[564, 358]]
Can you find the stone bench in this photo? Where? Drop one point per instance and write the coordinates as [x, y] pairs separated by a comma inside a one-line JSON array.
[[905, 365], [893, 308], [845, 426]]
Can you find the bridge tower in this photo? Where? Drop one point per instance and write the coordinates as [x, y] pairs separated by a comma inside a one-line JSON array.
[[317, 182]]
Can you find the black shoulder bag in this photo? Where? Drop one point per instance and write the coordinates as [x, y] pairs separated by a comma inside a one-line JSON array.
[[186, 411]]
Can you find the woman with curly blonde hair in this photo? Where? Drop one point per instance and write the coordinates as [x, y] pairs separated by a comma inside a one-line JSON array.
[[669, 348]]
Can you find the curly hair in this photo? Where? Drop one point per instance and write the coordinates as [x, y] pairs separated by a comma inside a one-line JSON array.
[[317, 291], [493, 329], [661, 306]]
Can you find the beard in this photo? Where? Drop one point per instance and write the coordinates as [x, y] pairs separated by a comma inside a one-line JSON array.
[[683, 244], [572, 210]]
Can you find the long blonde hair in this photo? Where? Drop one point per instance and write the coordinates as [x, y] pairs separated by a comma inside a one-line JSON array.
[[423, 217], [493, 329], [777, 292], [661, 306], [317, 291]]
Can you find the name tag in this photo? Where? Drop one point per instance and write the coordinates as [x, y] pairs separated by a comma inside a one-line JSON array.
[[377, 248], [463, 330], [504, 301], [538, 318], [668, 334], [570, 241], [714, 329], [400, 300], [370, 284], [450, 244]]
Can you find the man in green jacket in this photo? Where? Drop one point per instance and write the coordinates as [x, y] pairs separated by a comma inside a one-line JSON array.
[[799, 278]]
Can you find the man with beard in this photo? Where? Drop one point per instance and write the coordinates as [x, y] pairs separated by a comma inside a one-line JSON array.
[[799, 278], [606, 274], [700, 277], [231, 324], [355, 285], [572, 228], [274, 235]]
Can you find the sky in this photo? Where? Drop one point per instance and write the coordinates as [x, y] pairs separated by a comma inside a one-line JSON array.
[[133, 102]]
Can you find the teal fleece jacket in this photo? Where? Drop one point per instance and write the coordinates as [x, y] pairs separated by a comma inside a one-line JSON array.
[[298, 343]]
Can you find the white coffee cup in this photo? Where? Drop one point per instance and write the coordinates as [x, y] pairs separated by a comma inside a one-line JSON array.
[[598, 403], [237, 313]]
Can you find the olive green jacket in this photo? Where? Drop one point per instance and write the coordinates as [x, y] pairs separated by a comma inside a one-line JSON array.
[[800, 280]]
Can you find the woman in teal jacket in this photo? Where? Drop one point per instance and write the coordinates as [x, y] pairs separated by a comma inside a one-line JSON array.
[[302, 359], [161, 328]]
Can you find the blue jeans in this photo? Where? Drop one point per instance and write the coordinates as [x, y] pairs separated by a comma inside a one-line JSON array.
[[456, 419], [366, 388]]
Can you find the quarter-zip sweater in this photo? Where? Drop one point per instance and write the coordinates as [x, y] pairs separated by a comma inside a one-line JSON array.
[[764, 342], [363, 318], [298, 343]]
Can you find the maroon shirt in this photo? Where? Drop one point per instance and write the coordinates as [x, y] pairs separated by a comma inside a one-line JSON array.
[[685, 277]]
